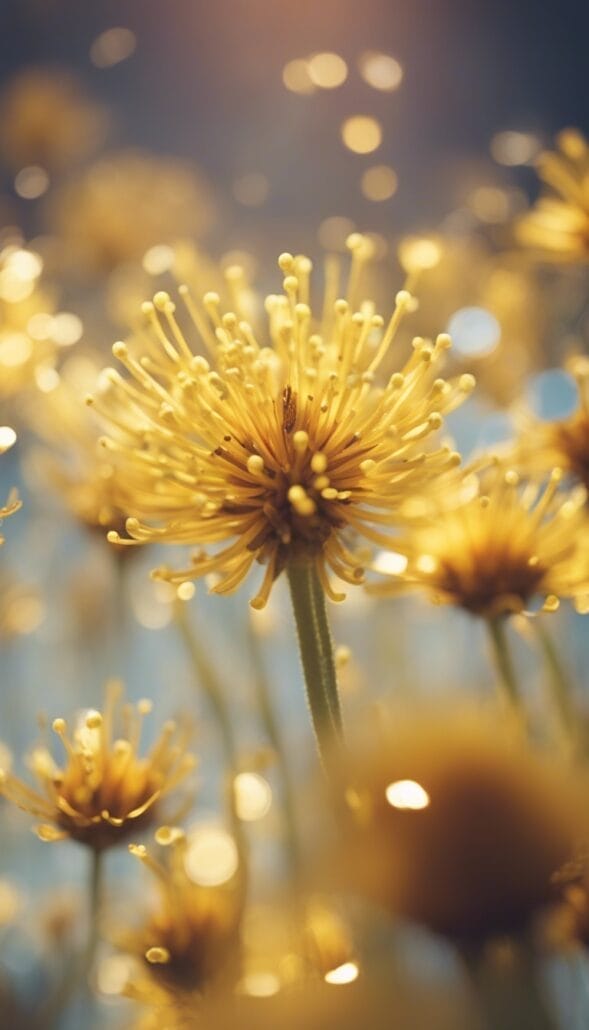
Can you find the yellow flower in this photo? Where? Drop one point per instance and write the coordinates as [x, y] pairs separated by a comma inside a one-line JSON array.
[[565, 442], [105, 790], [280, 449], [558, 224], [189, 942], [502, 543], [47, 121], [126, 203], [80, 471], [456, 824]]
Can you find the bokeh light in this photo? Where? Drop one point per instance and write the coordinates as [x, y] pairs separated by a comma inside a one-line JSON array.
[[381, 71], [552, 394], [327, 70], [515, 148], [112, 46], [379, 183], [407, 795], [475, 332], [362, 134], [31, 182], [211, 856]]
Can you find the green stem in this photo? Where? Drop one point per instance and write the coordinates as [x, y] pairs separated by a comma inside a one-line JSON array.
[[206, 677], [274, 736], [308, 602], [559, 681], [503, 661], [510, 998], [77, 973]]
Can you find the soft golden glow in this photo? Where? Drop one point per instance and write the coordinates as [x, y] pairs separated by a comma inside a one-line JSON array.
[[344, 974], [296, 77], [362, 134], [253, 796], [7, 438], [381, 71], [419, 253], [379, 183], [514, 148], [327, 70], [407, 795], [211, 857], [283, 444]]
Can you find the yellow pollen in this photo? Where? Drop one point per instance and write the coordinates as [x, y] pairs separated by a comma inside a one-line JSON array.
[[59, 726], [319, 462], [157, 956]]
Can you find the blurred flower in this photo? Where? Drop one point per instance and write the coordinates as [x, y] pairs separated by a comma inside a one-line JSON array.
[[564, 442], [275, 449], [456, 824], [125, 204], [189, 942], [457, 274], [558, 223], [106, 790], [21, 607], [74, 464], [503, 542], [47, 120]]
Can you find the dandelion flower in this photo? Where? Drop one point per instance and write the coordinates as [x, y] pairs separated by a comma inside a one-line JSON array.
[[188, 942], [558, 224], [456, 825], [506, 543], [47, 121], [126, 203], [105, 790], [565, 442], [81, 472], [284, 448]]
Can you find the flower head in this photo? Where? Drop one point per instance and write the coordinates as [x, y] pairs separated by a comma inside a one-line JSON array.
[[558, 224], [283, 449], [81, 472], [47, 120], [188, 941], [565, 442], [105, 790], [456, 824], [126, 203], [502, 543]]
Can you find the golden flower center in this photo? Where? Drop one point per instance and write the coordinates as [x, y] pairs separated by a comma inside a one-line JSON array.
[[573, 440], [489, 579]]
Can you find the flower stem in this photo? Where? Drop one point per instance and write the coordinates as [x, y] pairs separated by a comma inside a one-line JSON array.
[[503, 662], [559, 681], [77, 972], [308, 602], [510, 998], [272, 728], [206, 678]]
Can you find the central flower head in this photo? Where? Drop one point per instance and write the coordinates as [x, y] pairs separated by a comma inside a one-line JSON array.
[[285, 450]]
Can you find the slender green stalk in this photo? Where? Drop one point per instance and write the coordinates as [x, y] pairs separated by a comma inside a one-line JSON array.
[[206, 679], [512, 997], [559, 681], [308, 601], [274, 736], [503, 661], [77, 972]]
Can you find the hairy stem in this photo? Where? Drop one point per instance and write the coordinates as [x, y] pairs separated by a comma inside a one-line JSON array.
[[503, 662], [314, 636]]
